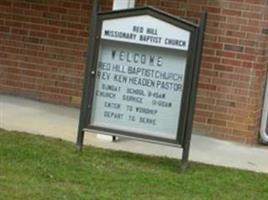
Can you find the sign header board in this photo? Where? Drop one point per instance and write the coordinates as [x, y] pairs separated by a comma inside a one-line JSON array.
[[146, 30]]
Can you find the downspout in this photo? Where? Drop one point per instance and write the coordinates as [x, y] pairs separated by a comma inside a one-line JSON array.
[[263, 129]]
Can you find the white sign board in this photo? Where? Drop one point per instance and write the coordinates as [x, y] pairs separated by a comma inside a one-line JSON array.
[[140, 76]]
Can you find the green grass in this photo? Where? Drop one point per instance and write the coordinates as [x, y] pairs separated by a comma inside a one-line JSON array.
[[35, 167]]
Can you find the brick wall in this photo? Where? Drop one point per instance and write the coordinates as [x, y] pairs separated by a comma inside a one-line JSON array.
[[230, 92], [43, 45]]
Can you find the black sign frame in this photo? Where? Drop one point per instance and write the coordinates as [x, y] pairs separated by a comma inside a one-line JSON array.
[[190, 82]]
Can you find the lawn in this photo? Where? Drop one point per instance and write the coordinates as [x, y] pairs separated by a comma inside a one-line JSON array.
[[34, 168]]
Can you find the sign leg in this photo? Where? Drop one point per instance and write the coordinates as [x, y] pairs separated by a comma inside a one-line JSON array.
[[80, 139], [185, 159], [84, 118], [198, 54]]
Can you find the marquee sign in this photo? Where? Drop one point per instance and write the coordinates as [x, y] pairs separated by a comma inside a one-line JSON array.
[[141, 76]]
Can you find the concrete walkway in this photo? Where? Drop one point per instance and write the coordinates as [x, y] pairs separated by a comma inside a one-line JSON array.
[[61, 122]]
